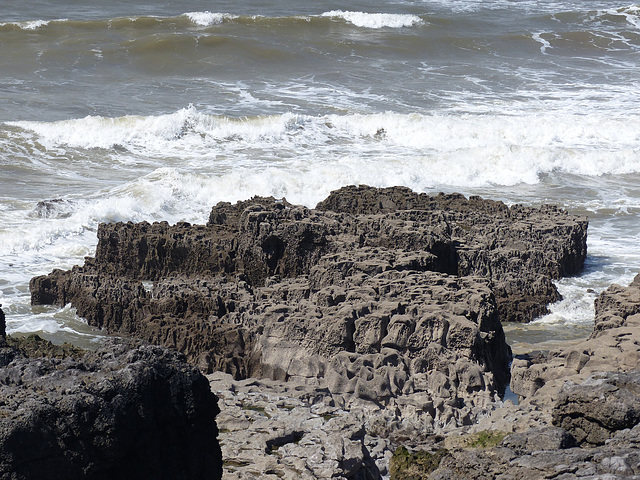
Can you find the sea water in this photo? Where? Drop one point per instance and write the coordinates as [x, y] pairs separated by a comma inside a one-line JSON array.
[[131, 111]]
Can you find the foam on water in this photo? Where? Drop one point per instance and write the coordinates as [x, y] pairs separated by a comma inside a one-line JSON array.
[[630, 14], [28, 25], [468, 150], [375, 20], [516, 98], [206, 19]]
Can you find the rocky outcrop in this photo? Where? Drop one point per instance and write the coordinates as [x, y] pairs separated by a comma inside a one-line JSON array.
[[617, 307], [128, 411], [591, 388], [597, 408], [579, 413], [520, 249], [542, 453], [612, 347], [385, 297]]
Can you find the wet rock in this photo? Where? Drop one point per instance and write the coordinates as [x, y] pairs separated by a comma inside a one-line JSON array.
[[54, 208], [3, 326], [125, 411]]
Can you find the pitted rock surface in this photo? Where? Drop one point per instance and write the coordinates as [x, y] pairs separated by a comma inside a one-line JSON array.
[[383, 296], [287, 430]]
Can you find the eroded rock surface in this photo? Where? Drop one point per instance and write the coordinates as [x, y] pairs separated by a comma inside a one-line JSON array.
[[126, 411], [579, 414], [388, 301], [614, 346], [543, 453], [271, 430]]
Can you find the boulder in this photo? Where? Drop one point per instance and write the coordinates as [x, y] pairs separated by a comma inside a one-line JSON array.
[[127, 410], [595, 409]]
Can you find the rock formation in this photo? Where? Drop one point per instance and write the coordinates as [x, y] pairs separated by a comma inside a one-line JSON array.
[[612, 347], [272, 429], [127, 411], [579, 410], [388, 301]]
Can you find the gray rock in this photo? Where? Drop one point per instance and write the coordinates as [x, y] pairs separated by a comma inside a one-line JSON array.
[[600, 406], [612, 347], [386, 301], [615, 305], [539, 439], [290, 431]]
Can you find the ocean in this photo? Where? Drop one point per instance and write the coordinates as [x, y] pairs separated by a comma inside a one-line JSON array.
[[131, 111]]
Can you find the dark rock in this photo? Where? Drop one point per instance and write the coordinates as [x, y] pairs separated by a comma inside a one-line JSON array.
[[55, 208], [521, 249], [3, 326], [32, 346], [127, 411]]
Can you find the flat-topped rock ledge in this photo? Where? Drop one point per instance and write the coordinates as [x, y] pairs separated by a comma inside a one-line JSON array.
[[126, 411], [387, 301]]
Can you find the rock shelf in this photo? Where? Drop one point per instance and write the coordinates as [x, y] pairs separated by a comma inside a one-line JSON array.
[[384, 304]]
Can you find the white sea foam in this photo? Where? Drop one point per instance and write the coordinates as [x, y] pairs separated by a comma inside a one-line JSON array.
[[631, 13], [206, 19], [544, 43], [376, 20], [468, 150], [29, 24]]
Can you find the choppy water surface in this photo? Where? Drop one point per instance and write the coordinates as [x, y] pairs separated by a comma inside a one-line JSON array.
[[156, 111]]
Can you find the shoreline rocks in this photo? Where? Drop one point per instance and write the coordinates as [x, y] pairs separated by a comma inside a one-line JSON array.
[[127, 410], [579, 410], [387, 301]]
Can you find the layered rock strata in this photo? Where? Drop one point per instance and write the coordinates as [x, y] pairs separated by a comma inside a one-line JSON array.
[[127, 411]]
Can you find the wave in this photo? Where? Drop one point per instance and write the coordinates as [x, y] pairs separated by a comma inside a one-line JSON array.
[[455, 148], [375, 20], [28, 24], [629, 14], [209, 19]]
